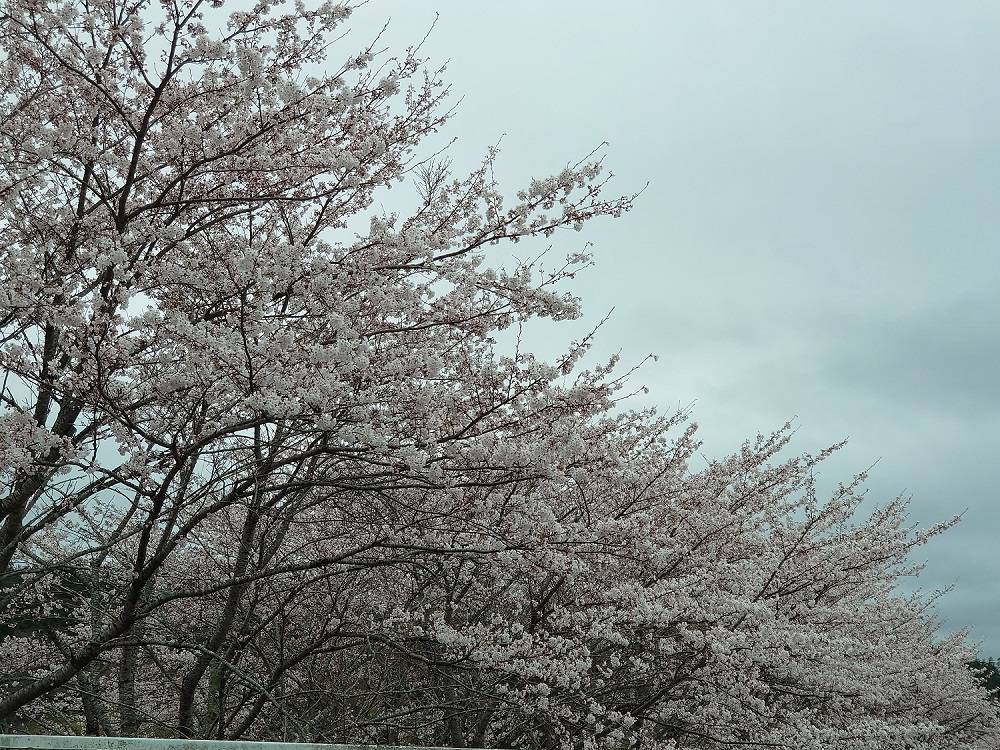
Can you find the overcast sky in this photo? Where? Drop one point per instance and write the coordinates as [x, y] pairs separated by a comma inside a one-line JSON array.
[[820, 239]]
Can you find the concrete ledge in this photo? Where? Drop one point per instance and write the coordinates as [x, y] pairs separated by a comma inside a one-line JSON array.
[[52, 742]]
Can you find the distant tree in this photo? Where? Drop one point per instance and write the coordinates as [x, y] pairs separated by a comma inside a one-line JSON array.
[[263, 475], [989, 672]]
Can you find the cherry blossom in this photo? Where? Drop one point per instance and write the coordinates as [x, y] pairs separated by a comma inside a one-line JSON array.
[[271, 467]]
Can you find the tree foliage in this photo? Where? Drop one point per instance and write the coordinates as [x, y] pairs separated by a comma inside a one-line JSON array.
[[989, 672], [266, 472]]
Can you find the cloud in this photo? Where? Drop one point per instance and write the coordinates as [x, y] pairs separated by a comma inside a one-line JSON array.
[[820, 237]]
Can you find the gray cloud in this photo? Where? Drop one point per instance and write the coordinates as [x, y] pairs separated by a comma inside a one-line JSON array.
[[821, 236]]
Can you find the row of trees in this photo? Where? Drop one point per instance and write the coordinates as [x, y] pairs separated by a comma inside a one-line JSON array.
[[263, 477]]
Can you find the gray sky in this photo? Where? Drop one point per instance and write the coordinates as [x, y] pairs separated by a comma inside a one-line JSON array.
[[819, 239]]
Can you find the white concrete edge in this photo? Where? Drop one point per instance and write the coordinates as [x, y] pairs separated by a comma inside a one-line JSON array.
[[53, 742]]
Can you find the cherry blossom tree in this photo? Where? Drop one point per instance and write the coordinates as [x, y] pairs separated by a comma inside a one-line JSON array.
[[267, 470]]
